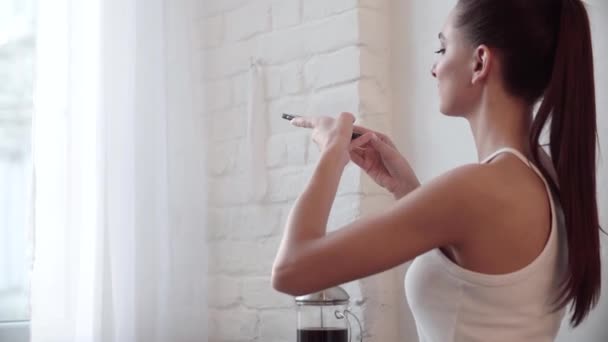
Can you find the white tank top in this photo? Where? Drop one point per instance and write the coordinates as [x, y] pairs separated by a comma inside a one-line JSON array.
[[450, 303]]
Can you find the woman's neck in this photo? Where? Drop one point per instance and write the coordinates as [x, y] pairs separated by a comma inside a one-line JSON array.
[[500, 121]]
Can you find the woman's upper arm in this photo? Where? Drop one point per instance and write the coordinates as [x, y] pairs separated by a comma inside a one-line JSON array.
[[441, 213]]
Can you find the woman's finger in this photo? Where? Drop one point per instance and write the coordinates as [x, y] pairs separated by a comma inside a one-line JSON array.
[[304, 122], [386, 140], [344, 122], [357, 159], [362, 140], [382, 136], [362, 130], [346, 118], [382, 147]]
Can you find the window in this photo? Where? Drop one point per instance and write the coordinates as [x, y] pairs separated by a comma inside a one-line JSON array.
[[16, 106]]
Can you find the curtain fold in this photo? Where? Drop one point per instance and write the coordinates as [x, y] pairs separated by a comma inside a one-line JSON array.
[[119, 161]]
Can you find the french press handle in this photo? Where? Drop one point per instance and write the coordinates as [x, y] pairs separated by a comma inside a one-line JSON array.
[[344, 315]]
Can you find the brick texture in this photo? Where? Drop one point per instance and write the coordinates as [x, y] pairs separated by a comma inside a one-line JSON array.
[[316, 57]]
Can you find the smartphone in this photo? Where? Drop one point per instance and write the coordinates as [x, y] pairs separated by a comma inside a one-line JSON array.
[[293, 116]]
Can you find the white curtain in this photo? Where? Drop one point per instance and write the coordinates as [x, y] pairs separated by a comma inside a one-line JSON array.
[[119, 210]]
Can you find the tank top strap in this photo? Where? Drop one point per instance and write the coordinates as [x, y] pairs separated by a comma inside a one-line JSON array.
[[506, 149], [521, 157]]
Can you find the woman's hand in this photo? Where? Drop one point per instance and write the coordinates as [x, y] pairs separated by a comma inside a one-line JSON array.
[[373, 152], [381, 160], [333, 134]]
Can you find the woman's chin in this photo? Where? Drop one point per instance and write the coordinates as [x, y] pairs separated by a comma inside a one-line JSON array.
[[447, 111], [443, 109]]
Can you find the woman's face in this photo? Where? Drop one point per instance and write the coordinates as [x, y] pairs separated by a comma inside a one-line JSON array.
[[454, 71]]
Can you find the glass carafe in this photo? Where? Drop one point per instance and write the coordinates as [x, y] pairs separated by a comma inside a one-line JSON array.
[[323, 317]]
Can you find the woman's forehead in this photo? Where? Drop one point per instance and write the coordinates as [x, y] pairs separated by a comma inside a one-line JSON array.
[[448, 26]]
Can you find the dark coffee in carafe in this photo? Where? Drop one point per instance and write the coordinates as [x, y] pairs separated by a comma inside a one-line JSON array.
[[322, 335]]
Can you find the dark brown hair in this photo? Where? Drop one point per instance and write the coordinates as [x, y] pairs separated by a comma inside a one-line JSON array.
[[546, 54]]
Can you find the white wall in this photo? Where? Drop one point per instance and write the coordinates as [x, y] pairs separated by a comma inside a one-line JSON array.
[[318, 57], [434, 143]]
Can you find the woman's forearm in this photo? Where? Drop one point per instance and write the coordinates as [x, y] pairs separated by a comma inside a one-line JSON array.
[[308, 218], [409, 184]]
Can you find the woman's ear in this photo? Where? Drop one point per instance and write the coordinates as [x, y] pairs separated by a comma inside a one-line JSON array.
[[482, 61]]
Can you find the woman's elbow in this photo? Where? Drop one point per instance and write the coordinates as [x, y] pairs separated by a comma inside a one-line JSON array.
[[286, 281]]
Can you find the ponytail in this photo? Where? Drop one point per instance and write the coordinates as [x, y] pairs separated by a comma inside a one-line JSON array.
[[570, 101]]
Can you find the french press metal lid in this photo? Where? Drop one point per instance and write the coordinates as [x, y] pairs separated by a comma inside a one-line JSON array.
[[332, 296]]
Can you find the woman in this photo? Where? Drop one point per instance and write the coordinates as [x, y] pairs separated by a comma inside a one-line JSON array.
[[500, 247]]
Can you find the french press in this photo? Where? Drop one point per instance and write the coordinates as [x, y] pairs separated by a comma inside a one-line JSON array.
[[323, 317]]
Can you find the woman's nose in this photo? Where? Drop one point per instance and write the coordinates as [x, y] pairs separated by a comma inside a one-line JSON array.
[[433, 71]]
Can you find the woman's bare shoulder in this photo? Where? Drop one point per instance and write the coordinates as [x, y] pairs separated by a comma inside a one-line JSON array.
[[502, 188], [480, 188]]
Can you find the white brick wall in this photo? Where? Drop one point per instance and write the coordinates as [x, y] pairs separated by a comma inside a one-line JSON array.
[[317, 56]]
